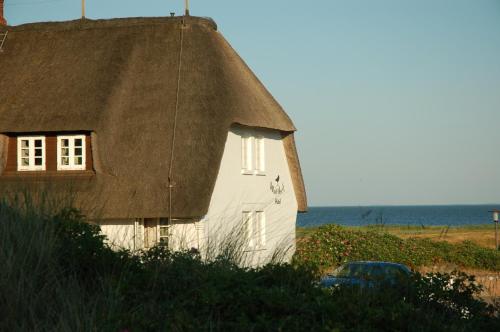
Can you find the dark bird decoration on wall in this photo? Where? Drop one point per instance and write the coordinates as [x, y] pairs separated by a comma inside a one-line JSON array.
[[278, 189]]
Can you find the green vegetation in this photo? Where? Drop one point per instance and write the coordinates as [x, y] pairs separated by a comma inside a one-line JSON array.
[[59, 275], [331, 245]]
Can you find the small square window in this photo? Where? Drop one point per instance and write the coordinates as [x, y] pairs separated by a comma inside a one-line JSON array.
[[31, 153], [71, 152]]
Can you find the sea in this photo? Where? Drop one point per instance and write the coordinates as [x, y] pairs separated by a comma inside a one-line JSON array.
[[435, 215]]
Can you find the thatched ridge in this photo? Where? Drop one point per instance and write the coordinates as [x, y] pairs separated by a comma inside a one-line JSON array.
[[118, 79]]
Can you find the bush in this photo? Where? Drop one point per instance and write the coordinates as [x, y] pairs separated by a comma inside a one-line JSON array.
[[332, 245], [58, 274]]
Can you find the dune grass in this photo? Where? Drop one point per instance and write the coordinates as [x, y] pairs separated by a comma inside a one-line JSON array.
[[58, 274]]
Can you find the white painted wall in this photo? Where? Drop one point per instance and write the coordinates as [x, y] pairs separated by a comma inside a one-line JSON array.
[[129, 234], [235, 192], [185, 235], [120, 233]]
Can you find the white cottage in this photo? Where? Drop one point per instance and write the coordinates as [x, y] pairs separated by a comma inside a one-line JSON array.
[[154, 127]]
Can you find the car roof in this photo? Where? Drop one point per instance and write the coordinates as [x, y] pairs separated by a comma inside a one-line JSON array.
[[377, 263]]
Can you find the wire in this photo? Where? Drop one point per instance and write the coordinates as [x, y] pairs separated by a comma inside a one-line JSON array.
[[170, 169]]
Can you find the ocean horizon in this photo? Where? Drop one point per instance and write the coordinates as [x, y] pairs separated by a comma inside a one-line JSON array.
[[411, 215]]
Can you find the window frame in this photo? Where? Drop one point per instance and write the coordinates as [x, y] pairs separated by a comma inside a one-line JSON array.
[[260, 155], [253, 154], [247, 154], [260, 232], [31, 153], [163, 224], [255, 228], [71, 155]]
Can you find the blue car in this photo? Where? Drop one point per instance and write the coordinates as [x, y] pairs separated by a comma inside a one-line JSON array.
[[367, 274]]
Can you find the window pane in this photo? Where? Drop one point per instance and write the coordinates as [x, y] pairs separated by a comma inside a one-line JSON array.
[[247, 152], [38, 143], [25, 161], [25, 153], [65, 161], [25, 143], [65, 152], [261, 225], [38, 152], [259, 154], [38, 161], [247, 222], [164, 221], [78, 160], [65, 142], [78, 142], [78, 151], [163, 231]]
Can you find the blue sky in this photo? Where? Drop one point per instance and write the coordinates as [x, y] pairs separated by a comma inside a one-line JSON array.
[[396, 101]]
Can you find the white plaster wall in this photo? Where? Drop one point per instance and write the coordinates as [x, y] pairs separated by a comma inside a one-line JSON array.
[[129, 234], [120, 233], [235, 192], [185, 235]]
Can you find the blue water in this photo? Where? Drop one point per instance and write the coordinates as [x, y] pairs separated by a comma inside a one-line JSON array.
[[452, 215]]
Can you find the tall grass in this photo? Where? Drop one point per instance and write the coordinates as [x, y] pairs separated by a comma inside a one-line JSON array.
[[37, 293], [58, 274]]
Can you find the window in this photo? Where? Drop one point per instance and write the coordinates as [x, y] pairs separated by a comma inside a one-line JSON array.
[[260, 222], [71, 152], [31, 153], [259, 155], [247, 154], [163, 229], [255, 223], [248, 224], [252, 155]]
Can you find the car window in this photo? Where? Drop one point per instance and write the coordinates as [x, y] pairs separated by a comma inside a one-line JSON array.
[[372, 271], [394, 272]]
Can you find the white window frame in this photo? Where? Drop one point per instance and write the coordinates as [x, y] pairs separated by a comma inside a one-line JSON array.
[[255, 229], [31, 154], [253, 155], [163, 224], [248, 222], [71, 157], [247, 154], [260, 155], [260, 232]]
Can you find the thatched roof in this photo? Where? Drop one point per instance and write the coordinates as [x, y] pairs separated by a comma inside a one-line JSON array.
[[118, 79]]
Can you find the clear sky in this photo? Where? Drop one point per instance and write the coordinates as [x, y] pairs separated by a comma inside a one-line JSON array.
[[396, 101]]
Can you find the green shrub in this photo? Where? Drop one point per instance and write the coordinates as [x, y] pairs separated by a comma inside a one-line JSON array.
[[59, 275], [332, 245]]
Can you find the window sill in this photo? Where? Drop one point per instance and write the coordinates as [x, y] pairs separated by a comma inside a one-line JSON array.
[[253, 172], [46, 175], [255, 250]]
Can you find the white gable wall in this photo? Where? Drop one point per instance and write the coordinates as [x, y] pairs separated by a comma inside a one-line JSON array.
[[235, 192]]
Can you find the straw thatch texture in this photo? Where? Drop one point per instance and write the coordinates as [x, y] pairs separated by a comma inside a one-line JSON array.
[[118, 79]]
